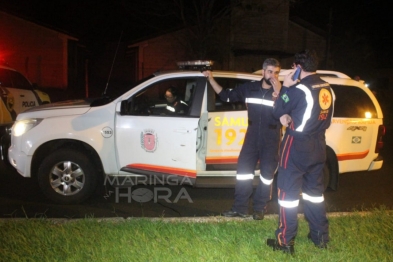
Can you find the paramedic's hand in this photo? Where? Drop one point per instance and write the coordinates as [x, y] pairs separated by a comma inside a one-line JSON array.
[[285, 120], [276, 85], [208, 74], [288, 82]]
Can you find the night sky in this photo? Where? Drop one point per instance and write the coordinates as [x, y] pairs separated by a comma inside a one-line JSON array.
[[369, 24], [361, 31]]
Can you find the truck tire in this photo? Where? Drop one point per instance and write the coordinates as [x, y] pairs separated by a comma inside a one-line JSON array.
[[67, 176], [330, 171]]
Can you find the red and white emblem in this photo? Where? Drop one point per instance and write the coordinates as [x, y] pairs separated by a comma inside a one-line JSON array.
[[149, 140]]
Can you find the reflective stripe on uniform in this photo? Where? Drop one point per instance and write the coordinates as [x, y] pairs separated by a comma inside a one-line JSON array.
[[266, 181], [288, 204], [310, 104], [312, 199], [260, 101], [244, 176], [169, 108]]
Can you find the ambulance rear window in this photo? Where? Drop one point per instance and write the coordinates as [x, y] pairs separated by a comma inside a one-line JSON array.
[[352, 102]]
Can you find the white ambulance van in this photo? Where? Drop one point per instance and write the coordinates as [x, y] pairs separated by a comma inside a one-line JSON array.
[[72, 146]]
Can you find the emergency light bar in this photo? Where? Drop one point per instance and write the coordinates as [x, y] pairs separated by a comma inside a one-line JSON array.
[[200, 65]]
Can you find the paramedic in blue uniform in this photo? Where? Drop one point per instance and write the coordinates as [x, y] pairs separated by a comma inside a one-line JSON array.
[[175, 105], [305, 107], [261, 141]]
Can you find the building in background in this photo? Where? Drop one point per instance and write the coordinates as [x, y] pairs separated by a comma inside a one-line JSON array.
[[241, 41], [47, 57]]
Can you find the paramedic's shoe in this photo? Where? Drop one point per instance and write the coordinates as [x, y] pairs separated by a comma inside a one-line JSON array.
[[322, 245], [232, 213], [258, 215], [288, 249]]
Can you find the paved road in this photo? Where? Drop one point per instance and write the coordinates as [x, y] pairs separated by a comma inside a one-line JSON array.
[[20, 197]]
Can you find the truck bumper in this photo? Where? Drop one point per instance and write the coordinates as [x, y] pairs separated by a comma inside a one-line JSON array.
[[20, 161], [5, 141], [376, 164]]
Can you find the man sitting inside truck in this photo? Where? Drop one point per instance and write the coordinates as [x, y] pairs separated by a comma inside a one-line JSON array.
[[175, 106]]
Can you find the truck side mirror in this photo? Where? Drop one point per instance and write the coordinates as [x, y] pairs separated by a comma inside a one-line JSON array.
[[137, 106], [125, 108]]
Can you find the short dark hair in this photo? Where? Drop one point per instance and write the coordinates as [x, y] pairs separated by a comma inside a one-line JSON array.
[[308, 59], [270, 62], [172, 90]]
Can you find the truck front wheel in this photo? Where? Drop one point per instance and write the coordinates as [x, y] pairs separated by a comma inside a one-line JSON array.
[[67, 176]]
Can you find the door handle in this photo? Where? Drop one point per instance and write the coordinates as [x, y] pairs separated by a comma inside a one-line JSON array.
[[183, 131]]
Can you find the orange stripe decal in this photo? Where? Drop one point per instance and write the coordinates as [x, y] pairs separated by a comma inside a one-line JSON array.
[[221, 160], [351, 156], [165, 169], [233, 160]]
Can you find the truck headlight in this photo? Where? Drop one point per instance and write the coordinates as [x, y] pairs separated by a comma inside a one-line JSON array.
[[22, 126]]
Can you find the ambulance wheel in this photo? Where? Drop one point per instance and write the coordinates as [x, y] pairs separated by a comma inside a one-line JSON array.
[[330, 171], [67, 177]]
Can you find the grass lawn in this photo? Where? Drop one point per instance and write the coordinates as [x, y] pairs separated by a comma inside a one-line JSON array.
[[354, 237]]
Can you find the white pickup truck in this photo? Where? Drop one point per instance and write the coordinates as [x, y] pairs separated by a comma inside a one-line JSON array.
[[73, 146]]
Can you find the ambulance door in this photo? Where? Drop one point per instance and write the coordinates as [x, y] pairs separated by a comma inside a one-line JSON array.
[[354, 129], [226, 128], [150, 139]]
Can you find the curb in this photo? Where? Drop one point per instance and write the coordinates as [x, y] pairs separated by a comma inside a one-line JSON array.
[[211, 219]]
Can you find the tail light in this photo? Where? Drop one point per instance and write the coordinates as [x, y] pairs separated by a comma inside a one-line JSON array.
[[381, 133]]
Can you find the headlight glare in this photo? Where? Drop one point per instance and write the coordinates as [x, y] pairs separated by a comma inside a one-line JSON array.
[[22, 126]]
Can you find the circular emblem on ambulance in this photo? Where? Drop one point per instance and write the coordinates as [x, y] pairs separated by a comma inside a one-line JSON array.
[[107, 132], [325, 98], [149, 140]]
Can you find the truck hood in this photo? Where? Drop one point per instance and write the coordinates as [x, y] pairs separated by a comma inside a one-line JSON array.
[[80, 103], [64, 108]]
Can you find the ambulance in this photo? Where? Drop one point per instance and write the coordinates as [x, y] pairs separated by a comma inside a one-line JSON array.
[[71, 147]]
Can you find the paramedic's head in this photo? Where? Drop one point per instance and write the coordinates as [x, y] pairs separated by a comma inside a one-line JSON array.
[[308, 60], [171, 94], [270, 68]]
